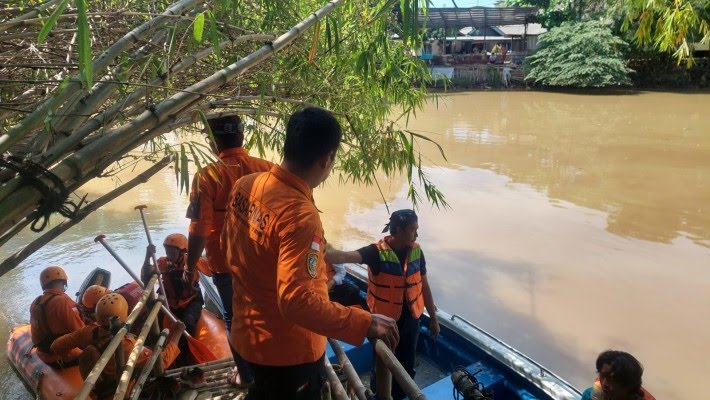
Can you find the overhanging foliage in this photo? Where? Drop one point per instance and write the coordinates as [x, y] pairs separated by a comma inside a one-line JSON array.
[[155, 67]]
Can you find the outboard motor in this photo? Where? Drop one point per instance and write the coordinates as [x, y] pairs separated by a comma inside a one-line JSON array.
[[466, 385]]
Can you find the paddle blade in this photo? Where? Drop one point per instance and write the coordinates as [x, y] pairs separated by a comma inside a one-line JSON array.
[[199, 351]]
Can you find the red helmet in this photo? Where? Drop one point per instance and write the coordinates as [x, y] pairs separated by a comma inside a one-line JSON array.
[[51, 274], [92, 295], [109, 306], [176, 240]]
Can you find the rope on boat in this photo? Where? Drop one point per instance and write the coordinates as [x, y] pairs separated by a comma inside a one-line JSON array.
[[336, 387]]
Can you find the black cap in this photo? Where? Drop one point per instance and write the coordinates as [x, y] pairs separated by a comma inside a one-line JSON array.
[[401, 218]]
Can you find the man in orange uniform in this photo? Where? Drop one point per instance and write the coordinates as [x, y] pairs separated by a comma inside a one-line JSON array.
[[53, 314], [211, 187], [398, 285], [273, 242], [96, 336], [184, 299]]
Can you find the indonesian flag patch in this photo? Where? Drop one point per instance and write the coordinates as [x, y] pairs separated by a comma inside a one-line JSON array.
[[315, 244]]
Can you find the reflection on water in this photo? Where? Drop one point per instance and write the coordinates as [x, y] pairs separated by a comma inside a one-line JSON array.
[[578, 223]]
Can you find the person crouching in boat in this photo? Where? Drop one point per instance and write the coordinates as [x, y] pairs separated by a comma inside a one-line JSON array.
[[619, 378], [91, 296], [94, 338], [53, 314], [398, 285], [185, 299]]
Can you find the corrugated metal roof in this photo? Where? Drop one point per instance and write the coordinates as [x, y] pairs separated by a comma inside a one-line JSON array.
[[519, 29], [479, 17]]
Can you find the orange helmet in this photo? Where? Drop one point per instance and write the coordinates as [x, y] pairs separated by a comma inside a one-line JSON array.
[[51, 274], [176, 240], [109, 306], [92, 295]]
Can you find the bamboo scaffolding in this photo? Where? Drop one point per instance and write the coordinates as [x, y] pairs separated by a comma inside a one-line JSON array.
[[353, 378], [208, 366], [95, 373], [22, 254], [135, 353], [148, 368], [336, 387], [83, 160], [36, 118]]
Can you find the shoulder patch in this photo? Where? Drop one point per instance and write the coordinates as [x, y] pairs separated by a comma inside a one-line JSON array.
[[312, 264]]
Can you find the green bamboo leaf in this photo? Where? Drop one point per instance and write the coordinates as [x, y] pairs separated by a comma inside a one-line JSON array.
[[198, 27], [420, 136], [214, 33], [49, 24], [83, 35]]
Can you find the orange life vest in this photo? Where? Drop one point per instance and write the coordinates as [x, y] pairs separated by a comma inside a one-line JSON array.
[[392, 286]]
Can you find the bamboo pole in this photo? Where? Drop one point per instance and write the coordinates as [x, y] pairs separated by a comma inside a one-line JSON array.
[[19, 256], [95, 373], [85, 159], [101, 91], [353, 378], [135, 353], [383, 378], [336, 386], [36, 118], [66, 144], [32, 14], [148, 367], [387, 360]]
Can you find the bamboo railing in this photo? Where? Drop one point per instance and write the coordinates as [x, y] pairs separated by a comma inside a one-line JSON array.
[[387, 367], [116, 342]]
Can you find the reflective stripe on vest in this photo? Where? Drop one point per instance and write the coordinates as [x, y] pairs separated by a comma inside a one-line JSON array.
[[388, 290]]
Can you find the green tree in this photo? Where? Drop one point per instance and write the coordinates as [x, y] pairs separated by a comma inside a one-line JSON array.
[[579, 54], [668, 25], [91, 87]]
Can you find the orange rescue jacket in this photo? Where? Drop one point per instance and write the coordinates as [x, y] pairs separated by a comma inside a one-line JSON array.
[[209, 195], [52, 315], [392, 286], [273, 241]]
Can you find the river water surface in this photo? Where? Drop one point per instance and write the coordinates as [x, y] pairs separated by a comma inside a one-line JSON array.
[[577, 224]]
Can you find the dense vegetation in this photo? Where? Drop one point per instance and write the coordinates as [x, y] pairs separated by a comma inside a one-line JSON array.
[[579, 54]]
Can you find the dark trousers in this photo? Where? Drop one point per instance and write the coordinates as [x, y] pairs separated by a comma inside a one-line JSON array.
[[295, 382], [406, 350], [243, 366], [347, 294], [190, 314], [223, 282]]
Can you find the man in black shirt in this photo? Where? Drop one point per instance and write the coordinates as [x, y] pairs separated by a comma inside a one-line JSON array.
[[398, 285]]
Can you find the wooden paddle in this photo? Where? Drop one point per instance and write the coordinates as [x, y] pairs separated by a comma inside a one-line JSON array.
[[198, 350]]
